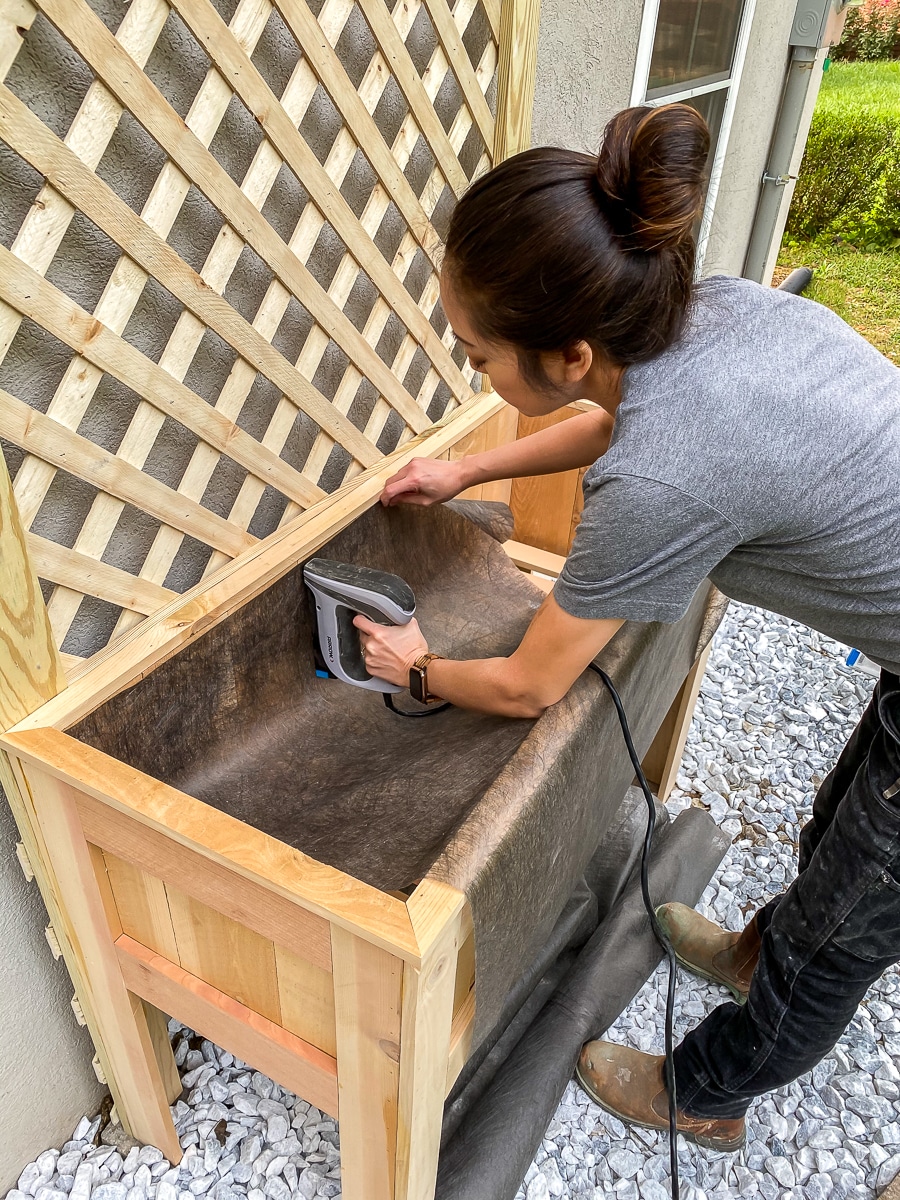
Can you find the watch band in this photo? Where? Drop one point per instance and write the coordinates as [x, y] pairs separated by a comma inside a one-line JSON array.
[[418, 679]]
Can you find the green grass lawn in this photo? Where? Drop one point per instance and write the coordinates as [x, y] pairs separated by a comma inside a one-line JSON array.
[[863, 288], [872, 86]]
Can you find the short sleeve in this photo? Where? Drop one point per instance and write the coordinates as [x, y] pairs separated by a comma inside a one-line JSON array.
[[641, 551]]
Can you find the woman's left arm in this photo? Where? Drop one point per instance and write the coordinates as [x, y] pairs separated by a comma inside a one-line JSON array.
[[555, 650]]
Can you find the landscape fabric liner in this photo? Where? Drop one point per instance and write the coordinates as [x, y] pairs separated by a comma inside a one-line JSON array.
[[509, 811]]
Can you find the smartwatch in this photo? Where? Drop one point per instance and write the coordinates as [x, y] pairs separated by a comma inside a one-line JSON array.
[[418, 679]]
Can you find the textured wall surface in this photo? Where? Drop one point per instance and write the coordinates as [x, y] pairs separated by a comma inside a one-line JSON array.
[[46, 1080], [586, 54]]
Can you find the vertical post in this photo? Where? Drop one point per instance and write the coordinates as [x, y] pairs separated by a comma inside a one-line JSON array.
[[519, 23], [436, 911], [89, 922], [367, 997], [30, 667]]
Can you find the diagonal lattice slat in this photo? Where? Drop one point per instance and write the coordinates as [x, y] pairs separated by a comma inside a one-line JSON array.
[[374, 363]]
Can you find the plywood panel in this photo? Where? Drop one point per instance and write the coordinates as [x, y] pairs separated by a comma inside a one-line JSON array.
[[306, 998], [230, 957]]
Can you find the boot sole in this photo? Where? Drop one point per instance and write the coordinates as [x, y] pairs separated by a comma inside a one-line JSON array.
[[722, 1146]]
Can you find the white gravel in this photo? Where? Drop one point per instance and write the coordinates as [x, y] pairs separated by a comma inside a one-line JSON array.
[[776, 706]]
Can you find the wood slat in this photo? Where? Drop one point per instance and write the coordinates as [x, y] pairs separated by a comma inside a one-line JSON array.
[[462, 68], [88, 136], [59, 564], [93, 126], [90, 37], [236, 897], [22, 130], [492, 12], [289, 1060], [386, 34], [44, 437], [223, 50], [334, 80], [519, 24], [367, 997], [30, 668]]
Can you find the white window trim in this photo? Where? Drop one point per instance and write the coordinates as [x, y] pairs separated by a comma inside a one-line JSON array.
[[732, 84]]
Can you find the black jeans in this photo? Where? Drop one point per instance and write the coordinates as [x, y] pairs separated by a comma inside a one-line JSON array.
[[824, 941]]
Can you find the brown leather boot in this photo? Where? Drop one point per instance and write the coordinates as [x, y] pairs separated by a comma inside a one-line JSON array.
[[705, 949], [630, 1085]]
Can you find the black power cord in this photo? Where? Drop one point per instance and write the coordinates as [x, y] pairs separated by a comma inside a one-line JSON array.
[[416, 712], [658, 931]]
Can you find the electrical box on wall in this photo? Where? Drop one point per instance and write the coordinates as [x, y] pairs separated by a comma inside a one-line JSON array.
[[818, 23]]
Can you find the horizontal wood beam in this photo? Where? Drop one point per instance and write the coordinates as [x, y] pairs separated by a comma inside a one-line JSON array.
[[243, 900], [235, 846], [286, 1058], [530, 558]]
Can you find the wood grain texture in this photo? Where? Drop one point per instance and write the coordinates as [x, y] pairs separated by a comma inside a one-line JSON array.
[[287, 1059], [139, 1088], [30, 667], [319, 889], [306, 996], [519, 24], [547, 507], [367, 992], [44, 437], [496, 432], [662, 761], [398, 59], [140, 899], [59, 564], [437, 913], [159, 857]]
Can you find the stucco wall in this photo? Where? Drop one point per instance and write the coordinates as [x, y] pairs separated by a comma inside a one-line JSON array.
[[46, 1080], [585, 67]]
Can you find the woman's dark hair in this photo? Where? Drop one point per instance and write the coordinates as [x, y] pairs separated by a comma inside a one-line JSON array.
[[553, 247]]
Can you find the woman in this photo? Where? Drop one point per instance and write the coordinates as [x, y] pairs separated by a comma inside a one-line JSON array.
[[742, 434]]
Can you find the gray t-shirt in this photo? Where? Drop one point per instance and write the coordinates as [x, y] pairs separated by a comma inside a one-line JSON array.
[[763, 451]]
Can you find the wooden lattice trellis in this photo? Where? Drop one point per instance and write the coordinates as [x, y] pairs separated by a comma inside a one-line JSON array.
[[375, 366]]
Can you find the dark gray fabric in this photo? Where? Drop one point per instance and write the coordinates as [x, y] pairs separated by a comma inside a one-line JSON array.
[[762, 451], [510, 811], [492, 1147]]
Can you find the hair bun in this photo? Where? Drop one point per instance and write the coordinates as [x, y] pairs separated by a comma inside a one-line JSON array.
[[652, 173]]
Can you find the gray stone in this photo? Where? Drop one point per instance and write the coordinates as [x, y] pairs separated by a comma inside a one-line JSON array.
[[827, 1138], [624, 1163], [779, 1168], [110, 1191], [887, 1172]]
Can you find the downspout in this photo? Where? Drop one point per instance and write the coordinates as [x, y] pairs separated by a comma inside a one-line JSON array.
[[818, 24]]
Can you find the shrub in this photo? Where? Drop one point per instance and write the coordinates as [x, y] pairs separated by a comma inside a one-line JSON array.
[[871, 32], [849, 181]]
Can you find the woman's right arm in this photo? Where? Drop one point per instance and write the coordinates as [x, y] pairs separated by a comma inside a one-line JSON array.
[[576, 442]]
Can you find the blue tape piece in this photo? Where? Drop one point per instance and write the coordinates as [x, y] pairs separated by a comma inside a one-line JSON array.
[[322, 674]]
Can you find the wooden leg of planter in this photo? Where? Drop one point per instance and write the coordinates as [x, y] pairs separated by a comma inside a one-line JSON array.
[[90, 924], [367, 994], [436, 911]]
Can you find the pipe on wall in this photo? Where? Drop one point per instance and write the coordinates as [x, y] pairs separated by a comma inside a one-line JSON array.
[[777, 181]]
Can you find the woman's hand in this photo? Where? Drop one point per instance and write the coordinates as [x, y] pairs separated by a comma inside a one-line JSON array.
[[424, 481], [390, 650]]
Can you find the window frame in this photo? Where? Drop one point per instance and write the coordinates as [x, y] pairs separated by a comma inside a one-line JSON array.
[[730, 85]]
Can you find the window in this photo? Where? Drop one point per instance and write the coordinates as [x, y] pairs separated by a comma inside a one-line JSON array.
[[693, 51]]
